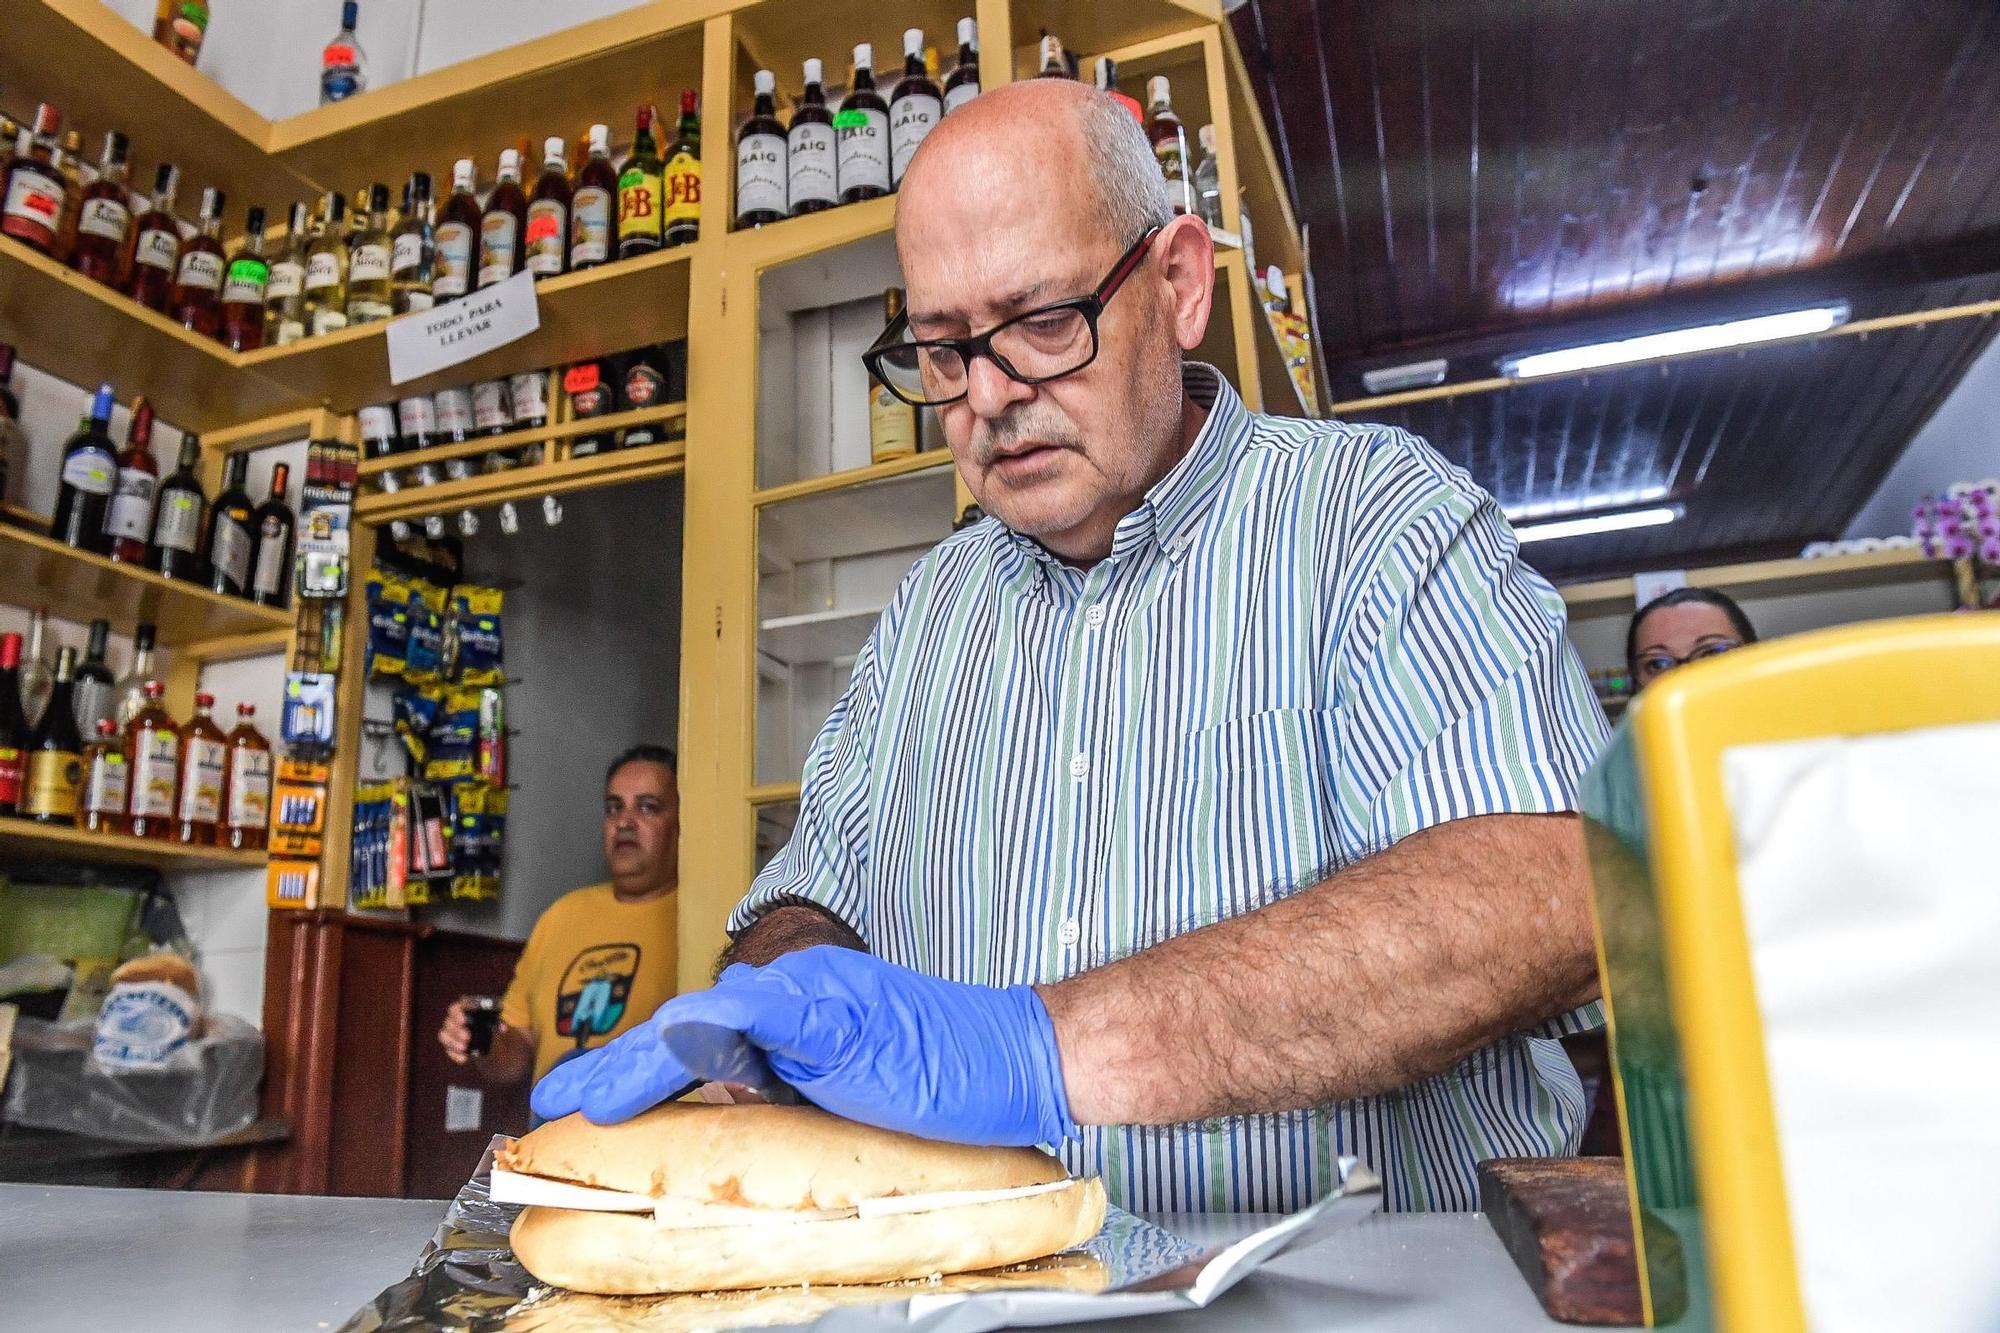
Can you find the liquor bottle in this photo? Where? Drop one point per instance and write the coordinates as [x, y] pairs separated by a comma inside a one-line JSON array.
[[226, 547], [862, 130], [644, 384], [590, 206], [89, 474], [179, 25], [38, 677], [490, 411], [326, 270], [285, 296], [174, 550], [196, 299], [10, 132], [14, 734], [681, 179], [501, 225], [457, 236], [1107, 83], [37, 193], [246, 793], [104, 218], [244, 283], [357, 222], [915, 107], [69, 165], [55, 756], [640, 200], [528, 394], [963, 84], [546, 237], [1208, 179], [203, 768], [368, 293], [128, 520], [414, 258], [92, 693], [1169, 138], [271, 572], [100, 806], [153, 763], [812, 177], [156, 254], [892, 423], [760, 158], [591, 394], [1055, 62], [131, 687], [452, 410], [343, 67]]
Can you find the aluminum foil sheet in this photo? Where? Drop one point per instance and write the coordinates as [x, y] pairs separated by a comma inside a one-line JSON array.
[[467, 1281]]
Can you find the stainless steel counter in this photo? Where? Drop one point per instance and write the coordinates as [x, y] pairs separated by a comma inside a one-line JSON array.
[[79, 1258]]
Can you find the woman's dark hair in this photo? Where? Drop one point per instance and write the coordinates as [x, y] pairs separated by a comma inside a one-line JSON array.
[[643, 754], [1721, 601]]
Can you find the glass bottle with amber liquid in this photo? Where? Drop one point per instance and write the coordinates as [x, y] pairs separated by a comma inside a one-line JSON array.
[[413, 255], [501, 225], [1169, 139], [128, 521], [547, 240], [204, 768], [243, 288], [592, 208], [457, 236], [195, 303], [246, 801], [156, 254], [152, 760], [36, 193], [892, 423], [104, 219], [680, 183], [639, 193], [55, 756], [101, 805]]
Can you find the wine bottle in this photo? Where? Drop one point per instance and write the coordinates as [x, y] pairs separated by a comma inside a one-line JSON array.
[[89, 474], [271, 575], [915, 107], [128, 520], [156, 254], [457, 236], [131, 687], [413, 260], [812, 182], [93, 695], [326, 270], [104, 218], [243, 287], [591, 207], [227, 546], [285, 296], [175, 550], [55, 756], [370, 296], [501, 225], [760, 158], [196, 299], [862, 130], [962, 85], [547, 235]]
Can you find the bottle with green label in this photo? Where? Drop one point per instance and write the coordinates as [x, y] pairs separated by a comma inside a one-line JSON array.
[[641, 229], [244, 287], [861, 129]]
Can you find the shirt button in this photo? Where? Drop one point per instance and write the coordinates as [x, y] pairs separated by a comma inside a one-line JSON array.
[[1069, 934], [1079, 765], [1095, 615]]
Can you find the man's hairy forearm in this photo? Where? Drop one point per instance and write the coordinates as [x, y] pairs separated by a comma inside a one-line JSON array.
[[787, 928], [1396, 968]]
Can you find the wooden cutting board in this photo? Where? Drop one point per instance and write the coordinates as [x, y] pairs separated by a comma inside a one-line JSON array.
[[1567, 1222]]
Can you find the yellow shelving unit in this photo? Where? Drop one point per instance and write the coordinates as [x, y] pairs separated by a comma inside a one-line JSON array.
[[78, 585], [31, 841]]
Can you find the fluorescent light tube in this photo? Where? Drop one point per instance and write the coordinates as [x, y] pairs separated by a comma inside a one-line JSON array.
[[1677, 342], [1657, 516], [1416, 375]]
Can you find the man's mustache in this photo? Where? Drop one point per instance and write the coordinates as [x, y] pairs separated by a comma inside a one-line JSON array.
[[1021, 428]]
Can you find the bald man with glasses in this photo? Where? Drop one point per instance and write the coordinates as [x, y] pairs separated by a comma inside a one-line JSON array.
[[1205, 811]]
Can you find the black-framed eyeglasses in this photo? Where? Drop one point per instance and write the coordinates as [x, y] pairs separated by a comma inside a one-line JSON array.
[[1658, 664], [1034, 347]]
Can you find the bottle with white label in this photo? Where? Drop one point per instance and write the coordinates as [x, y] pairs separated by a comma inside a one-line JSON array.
[[156, 254], [457, 236], [760, 159], [546, 240], [591, 203], [89, 475], [326, 270], [104, 218], [195, 303], [101, 807], [962, 84], [175, 549], [915, 106], [128, 523], [369, 298], [861, 130], [246, 800], [413, 258], [153, 758], [501, 225], [812, 175], [285, 294], [204, 768], [271, 573], [226, 549]]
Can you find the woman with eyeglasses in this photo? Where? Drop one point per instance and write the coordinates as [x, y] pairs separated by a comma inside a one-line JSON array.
[[1683, 626]]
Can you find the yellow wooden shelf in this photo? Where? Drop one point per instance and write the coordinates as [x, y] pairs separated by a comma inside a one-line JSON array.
[[1764, 578], [57, 842], [106, 74], [84, 332], [773, 793], [76, 585], [602, 310], [859, 476], [620, 467], [521, 439]]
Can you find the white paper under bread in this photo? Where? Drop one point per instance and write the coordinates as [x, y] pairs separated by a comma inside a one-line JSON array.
[[513, 1187]]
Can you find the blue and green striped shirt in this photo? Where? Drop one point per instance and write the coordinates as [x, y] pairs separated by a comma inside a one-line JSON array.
[[1310, 640]]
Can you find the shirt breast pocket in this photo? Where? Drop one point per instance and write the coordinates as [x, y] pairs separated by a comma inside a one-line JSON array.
[[1257, 822]]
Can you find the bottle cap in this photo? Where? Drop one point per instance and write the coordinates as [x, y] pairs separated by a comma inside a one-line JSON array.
[[167, 179], [143, 635], [1156, 90], [10, 651], [968, 32], [554, 151], [510, 160], [462, 172], [1107, 73], [378, 197], [253, 221], [764, 83], [815, 72], [688, 102], [212, 201], [154, 689], [246, 710], [106, 727], [116, 146], [913, 41], [204, 700], [600, 138], [1207, 136], [864, 56]]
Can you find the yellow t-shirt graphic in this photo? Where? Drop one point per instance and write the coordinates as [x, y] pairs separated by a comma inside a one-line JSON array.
[[593, 967]]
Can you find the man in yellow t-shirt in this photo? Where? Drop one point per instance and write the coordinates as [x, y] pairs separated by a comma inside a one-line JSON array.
[[600, 959]]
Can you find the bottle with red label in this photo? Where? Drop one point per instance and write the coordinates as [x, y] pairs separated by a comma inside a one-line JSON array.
[[548, 213], [104, 219], [196, 299], [101, 806], [14, 733], [37, 195], [343, 69], [592, 393], [128, 522], [204, 769], [156, 254], [644, 384], [153, 764], [246, 802]]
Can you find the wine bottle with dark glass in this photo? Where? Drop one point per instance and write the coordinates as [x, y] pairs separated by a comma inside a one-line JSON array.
[[93, 693], [128, 522], [89, 474], [273, 524], [230, 541], [175, 549], [14, 733], [55, 756]]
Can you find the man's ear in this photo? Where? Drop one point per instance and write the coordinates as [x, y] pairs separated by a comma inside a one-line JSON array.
[[1186, 257]]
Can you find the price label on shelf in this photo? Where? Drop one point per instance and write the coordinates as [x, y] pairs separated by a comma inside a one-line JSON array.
[[455, 333]]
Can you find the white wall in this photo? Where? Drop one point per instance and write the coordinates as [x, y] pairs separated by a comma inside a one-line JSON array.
[[1961, 442]]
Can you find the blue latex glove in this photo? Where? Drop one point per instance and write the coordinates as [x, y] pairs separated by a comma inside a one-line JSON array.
[[887, 1046], [616, 1081]]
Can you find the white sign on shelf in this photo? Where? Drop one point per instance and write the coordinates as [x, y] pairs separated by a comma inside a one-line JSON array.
[[471, 326], [1652, 583]]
